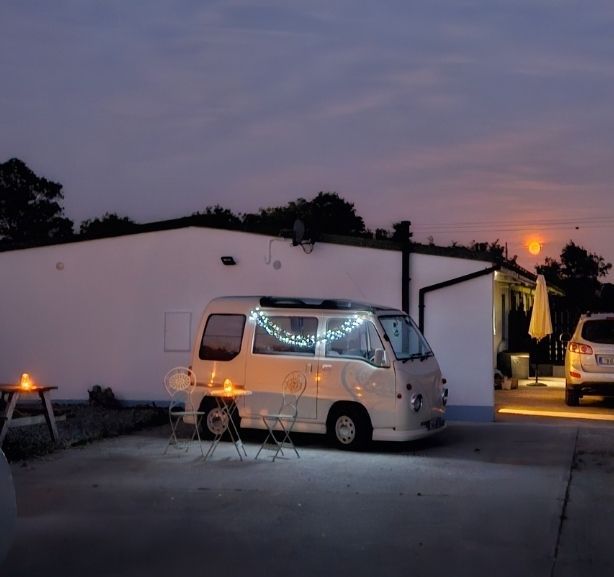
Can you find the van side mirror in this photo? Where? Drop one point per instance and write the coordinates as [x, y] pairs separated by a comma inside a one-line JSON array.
[[379, 358]]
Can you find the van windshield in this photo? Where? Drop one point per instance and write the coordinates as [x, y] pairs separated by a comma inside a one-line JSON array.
[[406, 340]]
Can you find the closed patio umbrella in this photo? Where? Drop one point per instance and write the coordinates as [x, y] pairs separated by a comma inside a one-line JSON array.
[[540, 325]]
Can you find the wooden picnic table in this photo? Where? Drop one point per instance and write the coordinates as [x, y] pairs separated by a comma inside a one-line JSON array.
[[10, 395]]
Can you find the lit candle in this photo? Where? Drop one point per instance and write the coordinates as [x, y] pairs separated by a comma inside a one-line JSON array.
[[25, 382]]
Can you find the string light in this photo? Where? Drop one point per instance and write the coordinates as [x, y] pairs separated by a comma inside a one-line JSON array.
[[303, 341]]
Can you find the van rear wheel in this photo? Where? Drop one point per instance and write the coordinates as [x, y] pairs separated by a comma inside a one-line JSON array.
[[349, 427]]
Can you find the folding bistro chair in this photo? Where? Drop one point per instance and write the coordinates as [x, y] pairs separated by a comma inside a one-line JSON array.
[[180, 383], [279, 425]]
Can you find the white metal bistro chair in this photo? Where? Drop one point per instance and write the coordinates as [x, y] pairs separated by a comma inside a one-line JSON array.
[[279, 425], [180, 383]]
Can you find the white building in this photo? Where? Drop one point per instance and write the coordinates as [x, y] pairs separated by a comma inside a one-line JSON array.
[[119, 312]]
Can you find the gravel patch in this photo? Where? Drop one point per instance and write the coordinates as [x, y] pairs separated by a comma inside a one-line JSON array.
[[78, 425]]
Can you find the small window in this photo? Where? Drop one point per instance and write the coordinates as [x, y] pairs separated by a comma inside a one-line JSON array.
[[358, 343], [222, 337], [287, 336]]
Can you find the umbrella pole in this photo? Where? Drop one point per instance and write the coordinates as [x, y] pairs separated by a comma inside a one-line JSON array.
[[537, 383]]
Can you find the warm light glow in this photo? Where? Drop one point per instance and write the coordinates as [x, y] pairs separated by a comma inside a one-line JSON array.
[[535, 247], [558, 414], [300, 340], [228, 386], [25, 382]]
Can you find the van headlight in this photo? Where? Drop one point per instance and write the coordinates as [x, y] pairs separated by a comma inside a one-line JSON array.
[[416, 402], [444, 397]]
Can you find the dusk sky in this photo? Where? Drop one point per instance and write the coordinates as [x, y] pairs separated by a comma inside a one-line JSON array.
[[474, 119]]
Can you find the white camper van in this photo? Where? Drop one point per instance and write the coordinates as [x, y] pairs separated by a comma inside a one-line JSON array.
[[370, 372]]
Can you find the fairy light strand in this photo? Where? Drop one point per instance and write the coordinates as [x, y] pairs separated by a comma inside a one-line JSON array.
[[303, 341]]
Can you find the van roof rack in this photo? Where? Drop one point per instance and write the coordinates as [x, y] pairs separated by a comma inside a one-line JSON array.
[[311, 303]]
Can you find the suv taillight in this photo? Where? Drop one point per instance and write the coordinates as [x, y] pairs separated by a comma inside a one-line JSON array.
[[580, 348]]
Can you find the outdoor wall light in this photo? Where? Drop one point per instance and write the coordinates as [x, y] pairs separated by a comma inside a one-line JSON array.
[[228, 260]]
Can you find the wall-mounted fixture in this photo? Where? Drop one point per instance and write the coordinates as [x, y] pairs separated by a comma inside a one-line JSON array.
[[298, 237], [228, 260]]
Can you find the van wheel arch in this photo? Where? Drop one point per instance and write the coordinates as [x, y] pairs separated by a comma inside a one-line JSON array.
[[349, 426]]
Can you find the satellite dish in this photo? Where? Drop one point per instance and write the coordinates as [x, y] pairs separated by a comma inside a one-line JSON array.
[[298, 232]]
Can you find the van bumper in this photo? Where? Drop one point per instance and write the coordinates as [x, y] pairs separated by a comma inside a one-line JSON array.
[[426, 430]]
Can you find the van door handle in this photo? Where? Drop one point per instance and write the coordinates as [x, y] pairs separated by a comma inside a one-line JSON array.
[[327, 367]]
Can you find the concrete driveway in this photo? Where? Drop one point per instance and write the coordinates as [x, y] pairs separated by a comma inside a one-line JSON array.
[[505, 499], [546, 404]]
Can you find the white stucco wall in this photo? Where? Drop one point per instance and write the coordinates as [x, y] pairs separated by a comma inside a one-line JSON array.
[[99, 316], [458, 323], [96, 312]]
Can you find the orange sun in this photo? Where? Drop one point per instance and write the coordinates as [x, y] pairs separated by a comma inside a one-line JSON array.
[[535, 247]]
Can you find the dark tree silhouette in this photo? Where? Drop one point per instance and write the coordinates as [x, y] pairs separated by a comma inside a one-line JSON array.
[[217, 217], [577, 273], [110, 224], [327, 213], [30, 206], [607, 297]]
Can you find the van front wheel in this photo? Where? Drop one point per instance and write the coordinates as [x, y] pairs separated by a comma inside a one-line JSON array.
[[350, 428]]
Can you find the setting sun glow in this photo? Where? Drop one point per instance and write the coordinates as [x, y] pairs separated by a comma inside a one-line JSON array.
[[535, 247]]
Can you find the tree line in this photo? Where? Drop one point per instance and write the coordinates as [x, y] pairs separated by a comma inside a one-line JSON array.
[[31, 213]]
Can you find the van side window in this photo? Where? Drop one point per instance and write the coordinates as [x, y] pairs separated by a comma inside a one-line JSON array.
[[280, 342], [359, 343], [222, 337]]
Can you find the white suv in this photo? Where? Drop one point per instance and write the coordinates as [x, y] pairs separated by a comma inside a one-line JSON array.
[[589, 362]]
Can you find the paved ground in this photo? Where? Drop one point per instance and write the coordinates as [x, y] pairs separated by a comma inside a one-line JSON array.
[[546, 404], [505, 499]]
